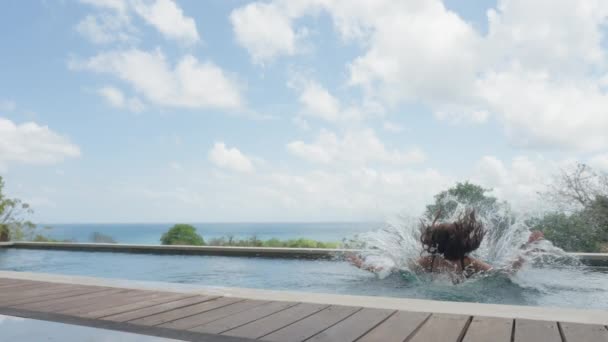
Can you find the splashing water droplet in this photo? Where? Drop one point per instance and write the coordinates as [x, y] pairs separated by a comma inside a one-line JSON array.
[[397, 245]]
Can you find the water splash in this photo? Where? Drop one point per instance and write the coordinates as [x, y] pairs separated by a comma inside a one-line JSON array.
[[397, 245]]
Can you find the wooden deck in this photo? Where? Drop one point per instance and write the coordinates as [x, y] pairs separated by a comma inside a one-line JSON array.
[[210, 318]]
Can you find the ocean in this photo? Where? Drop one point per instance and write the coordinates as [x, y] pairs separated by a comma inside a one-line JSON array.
[[150, 233]]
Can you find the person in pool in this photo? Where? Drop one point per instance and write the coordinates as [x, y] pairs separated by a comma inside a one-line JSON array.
[[449, 245]]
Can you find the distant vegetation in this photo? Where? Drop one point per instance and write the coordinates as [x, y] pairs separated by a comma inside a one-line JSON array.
[[255, 242], [182, 234], [98, 237], [185, 234]]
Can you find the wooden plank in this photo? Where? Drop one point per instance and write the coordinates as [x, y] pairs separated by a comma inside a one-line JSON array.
[[78, 291], [156, 309], [41, 296], [18, 287], [275, 321], [80, 302], [28, 293], [121, 309], [213, 315], [534, 331], [311, 325], [187, 311], [489, 329], [442, 328], [575, 332], [242, 318], [354, 326], [116, 300], [62, 303], [397, 327]]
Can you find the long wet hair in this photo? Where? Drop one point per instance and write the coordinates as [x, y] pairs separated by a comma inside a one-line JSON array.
[[453, 240]]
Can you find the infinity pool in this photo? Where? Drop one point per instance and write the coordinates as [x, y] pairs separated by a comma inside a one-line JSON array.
[[575, 287]]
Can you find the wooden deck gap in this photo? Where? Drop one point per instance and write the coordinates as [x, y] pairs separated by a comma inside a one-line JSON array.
[[374, 327], [334, 324], [561, 332], [302, 318], [408, 338], [194, 314], [513, 331], [465, 329], [140, 308], [257, 319]]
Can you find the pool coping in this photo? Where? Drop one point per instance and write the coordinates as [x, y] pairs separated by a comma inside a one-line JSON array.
[[593, 259], [588, 316]]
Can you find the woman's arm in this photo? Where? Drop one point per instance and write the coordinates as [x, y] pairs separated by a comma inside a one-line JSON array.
[[356, 261], [535, 236]]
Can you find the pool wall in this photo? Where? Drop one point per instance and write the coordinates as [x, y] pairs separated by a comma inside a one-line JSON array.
[[591, 259]]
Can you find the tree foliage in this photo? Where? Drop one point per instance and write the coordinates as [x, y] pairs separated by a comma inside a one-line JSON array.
[[182, 234], [469, 194], [580, 220], [13, 222]]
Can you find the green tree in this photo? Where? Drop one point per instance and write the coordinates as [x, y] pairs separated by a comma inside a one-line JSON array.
[[468, 194], [579, 222], [13, 213], [569, 232], [182, 234]]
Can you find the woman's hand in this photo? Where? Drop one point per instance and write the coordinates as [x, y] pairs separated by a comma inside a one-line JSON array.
[[535, 235]]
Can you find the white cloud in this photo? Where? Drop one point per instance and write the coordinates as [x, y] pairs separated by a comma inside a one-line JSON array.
[[599, 162], [189, 84], [113, 23], [392, 127], [105, 28], [230, 158], [538, 110], [356, 146], [117, 99], [541, 69], [265, 30], [169, 19], [519, 182], [30, 143]]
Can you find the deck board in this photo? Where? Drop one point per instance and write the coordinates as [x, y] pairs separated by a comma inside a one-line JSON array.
[[186, 311], [574, 332], [156, 309], [353, 326], [212, 315], [114, 301], [535, 331], [442, 328], [489, 329], [311, 325], [396, 328], [242, 318], [195, 317], [99, 313], [275, 321]]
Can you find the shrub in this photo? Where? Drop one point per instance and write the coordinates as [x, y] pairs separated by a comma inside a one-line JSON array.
[[98, 237], [182, 234]]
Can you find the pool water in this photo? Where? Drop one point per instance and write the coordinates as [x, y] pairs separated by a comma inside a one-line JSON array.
[[566, 286]]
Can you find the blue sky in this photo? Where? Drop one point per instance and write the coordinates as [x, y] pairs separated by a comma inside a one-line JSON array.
[[307, 110]]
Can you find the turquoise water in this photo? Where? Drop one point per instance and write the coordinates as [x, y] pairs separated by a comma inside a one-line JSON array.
[[575, 287], [150, 233]]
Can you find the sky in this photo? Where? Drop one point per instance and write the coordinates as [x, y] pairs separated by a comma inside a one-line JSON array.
[[299, 110]]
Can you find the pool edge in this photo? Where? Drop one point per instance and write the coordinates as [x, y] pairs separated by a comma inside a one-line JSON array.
[[593, 316]]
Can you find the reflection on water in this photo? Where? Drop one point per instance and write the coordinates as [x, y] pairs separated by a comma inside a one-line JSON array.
[[31, 330]]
